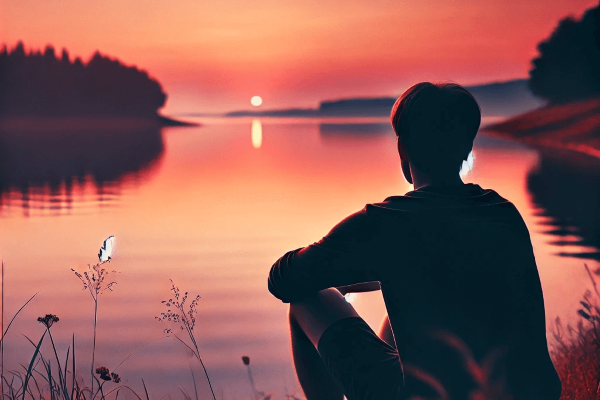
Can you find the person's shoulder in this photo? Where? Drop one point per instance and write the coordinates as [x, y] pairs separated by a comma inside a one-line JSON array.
[[396, 203]]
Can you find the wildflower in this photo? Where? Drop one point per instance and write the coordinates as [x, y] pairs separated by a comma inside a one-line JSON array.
[[183, 316], [48, 320], [116, 378], [104, 373], [177, 313]]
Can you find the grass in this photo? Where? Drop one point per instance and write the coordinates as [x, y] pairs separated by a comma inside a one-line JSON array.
[[575, 351], [94, 280], [185, 319], [55, 379]]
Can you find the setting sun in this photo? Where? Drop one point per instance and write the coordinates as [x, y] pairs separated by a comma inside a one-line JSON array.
[[256, 101]]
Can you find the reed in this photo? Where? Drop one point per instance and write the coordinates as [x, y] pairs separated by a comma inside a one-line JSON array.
[[184, 319], [94, 280]]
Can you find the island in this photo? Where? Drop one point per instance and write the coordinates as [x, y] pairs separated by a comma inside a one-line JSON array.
[[37, 87]]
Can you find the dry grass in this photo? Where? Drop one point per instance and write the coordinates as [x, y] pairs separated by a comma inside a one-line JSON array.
[[576, 350]]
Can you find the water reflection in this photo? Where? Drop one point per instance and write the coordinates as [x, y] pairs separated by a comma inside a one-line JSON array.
[[215, 216], [335, 130], [49, 171], [566, 187], [256, 134]]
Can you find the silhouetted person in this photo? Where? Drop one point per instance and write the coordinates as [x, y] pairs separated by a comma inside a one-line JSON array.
[[456, 268]]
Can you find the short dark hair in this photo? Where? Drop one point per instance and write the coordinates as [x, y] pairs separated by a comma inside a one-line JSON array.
[[437, 124]]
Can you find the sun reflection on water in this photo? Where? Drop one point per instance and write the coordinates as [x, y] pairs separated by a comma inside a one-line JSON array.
[[256, 133]]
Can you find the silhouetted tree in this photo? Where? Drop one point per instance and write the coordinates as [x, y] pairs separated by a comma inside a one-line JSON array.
[[40, 84], [568, 67]]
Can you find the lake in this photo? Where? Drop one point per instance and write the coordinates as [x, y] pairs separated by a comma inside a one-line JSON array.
[[212, 207]]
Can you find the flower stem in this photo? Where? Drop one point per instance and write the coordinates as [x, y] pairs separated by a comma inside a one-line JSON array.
[[94, 344]]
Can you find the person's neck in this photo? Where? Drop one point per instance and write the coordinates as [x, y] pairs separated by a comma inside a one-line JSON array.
[[421, 180]]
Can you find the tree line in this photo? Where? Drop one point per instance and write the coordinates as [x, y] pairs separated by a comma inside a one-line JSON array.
[[42, 84], [568, 65]]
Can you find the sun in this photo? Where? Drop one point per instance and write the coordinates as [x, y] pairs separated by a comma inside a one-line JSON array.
[[256, 101]]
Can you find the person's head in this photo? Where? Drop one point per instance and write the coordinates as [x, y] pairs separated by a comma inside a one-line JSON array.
[[435, 125]]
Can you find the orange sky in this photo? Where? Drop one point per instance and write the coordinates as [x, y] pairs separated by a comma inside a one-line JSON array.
[[214, 56]]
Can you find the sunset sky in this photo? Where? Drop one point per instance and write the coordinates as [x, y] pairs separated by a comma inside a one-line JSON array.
[[214, 56]]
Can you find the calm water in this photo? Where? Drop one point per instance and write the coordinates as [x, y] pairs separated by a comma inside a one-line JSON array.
[[212, 208]]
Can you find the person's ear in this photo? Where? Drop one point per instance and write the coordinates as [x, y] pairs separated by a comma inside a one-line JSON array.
[[404, 163]]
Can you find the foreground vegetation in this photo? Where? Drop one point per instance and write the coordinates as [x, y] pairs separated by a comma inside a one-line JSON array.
[[575, 352], [54, 378]]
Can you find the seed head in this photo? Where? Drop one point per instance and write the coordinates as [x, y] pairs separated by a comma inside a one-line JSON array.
[[116, 378], [104, 373], [48, 320]]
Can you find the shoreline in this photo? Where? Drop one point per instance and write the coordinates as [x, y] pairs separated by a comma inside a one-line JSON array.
[[73, 123], [573, 126]]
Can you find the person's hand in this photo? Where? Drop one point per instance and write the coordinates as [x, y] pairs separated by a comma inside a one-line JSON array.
[[343, 290], [359, 288]]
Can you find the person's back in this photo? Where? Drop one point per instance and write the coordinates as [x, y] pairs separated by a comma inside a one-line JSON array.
[[465, 302], [456, 269]]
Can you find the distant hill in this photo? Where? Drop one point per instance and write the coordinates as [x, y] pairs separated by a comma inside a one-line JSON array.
[[358, 107], [502, 99], [505, 99], [286, 112]]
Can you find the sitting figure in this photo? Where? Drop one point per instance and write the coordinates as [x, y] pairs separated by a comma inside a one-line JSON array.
[[457, 273]]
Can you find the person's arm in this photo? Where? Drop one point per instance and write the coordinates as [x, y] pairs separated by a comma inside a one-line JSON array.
[[342, 258], [360, 288]]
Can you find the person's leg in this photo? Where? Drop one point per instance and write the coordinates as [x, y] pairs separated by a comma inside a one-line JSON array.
[[308, 320], [385, 332]]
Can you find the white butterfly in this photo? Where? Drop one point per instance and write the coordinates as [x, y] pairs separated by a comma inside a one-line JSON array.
[[107, 249]]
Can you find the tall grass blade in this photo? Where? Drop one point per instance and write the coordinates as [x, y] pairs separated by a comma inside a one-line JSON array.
[[94, 345], [145, 389], [31, 363], [193, 379], [185, 395], [2, 330], [73, 374], [64, 379], [50, 381], [15, 316], [140, 348]]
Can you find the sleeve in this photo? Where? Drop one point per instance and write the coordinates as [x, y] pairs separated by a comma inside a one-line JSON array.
[[345, 256]]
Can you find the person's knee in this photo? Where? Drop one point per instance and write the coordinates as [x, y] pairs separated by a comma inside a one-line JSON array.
[[316, 313], [385, 332]]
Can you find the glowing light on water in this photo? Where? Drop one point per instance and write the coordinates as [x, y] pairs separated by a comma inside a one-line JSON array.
[[256, 134], [467, 166]]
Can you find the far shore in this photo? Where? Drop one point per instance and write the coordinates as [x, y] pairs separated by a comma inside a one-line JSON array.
[[573, 126], [73, 123]]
